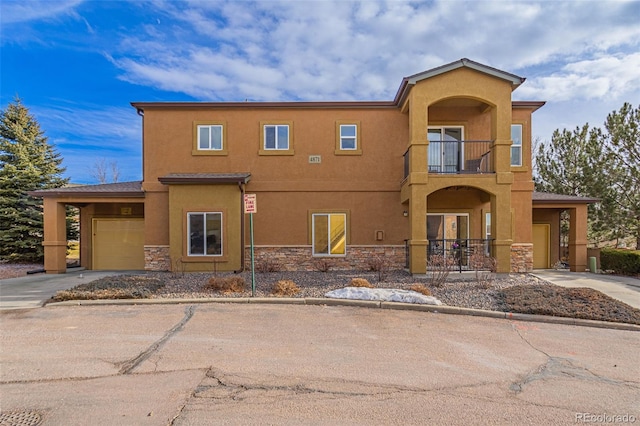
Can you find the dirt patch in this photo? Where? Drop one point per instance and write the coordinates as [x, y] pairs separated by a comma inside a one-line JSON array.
[[583, 303], [115, 287], [15, 270]]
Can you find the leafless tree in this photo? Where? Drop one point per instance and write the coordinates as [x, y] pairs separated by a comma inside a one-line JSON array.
[[103, 170]]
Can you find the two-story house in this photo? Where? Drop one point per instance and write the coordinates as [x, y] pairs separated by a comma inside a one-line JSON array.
[[442, 169]]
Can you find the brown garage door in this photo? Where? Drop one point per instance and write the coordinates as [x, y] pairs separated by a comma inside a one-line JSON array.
[[118, 244]]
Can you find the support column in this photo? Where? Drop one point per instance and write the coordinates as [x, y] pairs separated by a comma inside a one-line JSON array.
[[418, 231], [578, 239], [55, 237], [501, 222]]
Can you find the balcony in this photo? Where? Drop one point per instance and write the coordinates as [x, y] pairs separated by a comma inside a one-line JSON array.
[[457, 157], [460, 157]]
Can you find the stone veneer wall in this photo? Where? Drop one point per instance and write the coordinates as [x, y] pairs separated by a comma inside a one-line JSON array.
[[156, 258], [521, 257], [300, 258]]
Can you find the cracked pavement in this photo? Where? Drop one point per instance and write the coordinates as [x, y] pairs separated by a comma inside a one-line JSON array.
[[290, 364]]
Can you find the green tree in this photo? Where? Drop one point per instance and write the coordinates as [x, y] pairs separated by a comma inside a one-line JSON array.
[[603, 164], [569, 165], [27, 163], [623, 158]]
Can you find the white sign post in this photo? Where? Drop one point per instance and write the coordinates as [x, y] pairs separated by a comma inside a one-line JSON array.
[[250, 207]]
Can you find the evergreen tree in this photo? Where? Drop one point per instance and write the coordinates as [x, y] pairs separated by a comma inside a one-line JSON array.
[[27, 163], [599, 164], [623, 158]]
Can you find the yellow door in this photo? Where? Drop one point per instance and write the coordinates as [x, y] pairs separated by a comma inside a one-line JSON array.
[[541, 245], [118, 244]]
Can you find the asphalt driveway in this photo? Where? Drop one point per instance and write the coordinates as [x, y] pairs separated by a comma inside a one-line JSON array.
[[295, 364]]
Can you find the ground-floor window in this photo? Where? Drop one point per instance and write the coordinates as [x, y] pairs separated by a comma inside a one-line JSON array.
[[329, 234], [205, 234]]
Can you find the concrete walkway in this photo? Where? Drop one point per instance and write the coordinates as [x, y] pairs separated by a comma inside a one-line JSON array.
[[33, 290], [625, 289]]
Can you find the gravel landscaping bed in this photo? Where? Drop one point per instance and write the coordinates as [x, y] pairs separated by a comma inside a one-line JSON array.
[[522, 293]]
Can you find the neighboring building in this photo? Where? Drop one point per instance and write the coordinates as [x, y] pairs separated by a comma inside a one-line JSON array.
[[445, 167]]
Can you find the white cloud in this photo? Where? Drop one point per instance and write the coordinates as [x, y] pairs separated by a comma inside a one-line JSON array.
[[610, 77], [321, 50], [22, 11]]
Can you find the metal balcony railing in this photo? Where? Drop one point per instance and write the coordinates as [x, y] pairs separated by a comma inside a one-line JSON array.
[[456, 157]]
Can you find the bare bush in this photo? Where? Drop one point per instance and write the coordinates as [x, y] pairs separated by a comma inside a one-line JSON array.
[[226, 284], [380, 265], [285, 288], [440, 266], [420, 288], [322, 265], [268, 265], [360, 282], [485, 268]]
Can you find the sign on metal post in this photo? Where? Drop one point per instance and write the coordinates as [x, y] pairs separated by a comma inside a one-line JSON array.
[[250, 203], [250, 207]]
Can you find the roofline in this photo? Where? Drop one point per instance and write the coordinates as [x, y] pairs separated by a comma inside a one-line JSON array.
[[532, 105], [87, 194], [204, 179], [288, 104], [575, 199], [407, 82]]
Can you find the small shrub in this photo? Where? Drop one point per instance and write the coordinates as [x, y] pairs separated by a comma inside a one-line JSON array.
[[285, 288], [226, 284], [268, 265], [380, 265], [322, 265], [420, 288], [440, 266], [360, 282], [485, 268], [625, 262]]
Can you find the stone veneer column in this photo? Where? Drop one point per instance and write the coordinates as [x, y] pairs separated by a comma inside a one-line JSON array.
[[157, 258], [521, 257]]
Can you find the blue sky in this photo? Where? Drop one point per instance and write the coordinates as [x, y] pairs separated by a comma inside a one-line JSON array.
[[78, 64]]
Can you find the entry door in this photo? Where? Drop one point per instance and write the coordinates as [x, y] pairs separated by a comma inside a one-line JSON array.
[[541, 232], [445, 149], [118, 244]]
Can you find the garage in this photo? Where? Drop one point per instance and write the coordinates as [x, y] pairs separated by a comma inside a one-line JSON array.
[[118, 244]]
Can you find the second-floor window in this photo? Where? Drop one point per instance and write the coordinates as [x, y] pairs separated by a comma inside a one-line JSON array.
[[348, 136], [276, 137], [210, 137], [516, 145]]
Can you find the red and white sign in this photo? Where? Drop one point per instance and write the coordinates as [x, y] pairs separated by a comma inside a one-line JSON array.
[[250, 203]]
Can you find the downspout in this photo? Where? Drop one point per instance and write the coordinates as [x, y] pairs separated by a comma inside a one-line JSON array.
[[242, 237]]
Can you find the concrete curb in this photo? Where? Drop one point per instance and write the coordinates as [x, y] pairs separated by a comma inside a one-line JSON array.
[[314, 301]]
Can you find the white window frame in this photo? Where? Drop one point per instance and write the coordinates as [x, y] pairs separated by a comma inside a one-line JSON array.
[[353, 138], [438, 151], [277, 130], [516, 146], [210, 146], [204, 232], [329, 248]]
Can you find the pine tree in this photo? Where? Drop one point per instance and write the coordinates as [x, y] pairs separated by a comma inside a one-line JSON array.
[[27, 163], [572, 165], [623, 157], [603, 164]]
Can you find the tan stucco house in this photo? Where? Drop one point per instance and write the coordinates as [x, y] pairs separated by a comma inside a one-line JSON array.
[[444, 167]]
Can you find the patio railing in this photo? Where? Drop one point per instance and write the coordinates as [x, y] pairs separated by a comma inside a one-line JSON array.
[[462, 254]]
